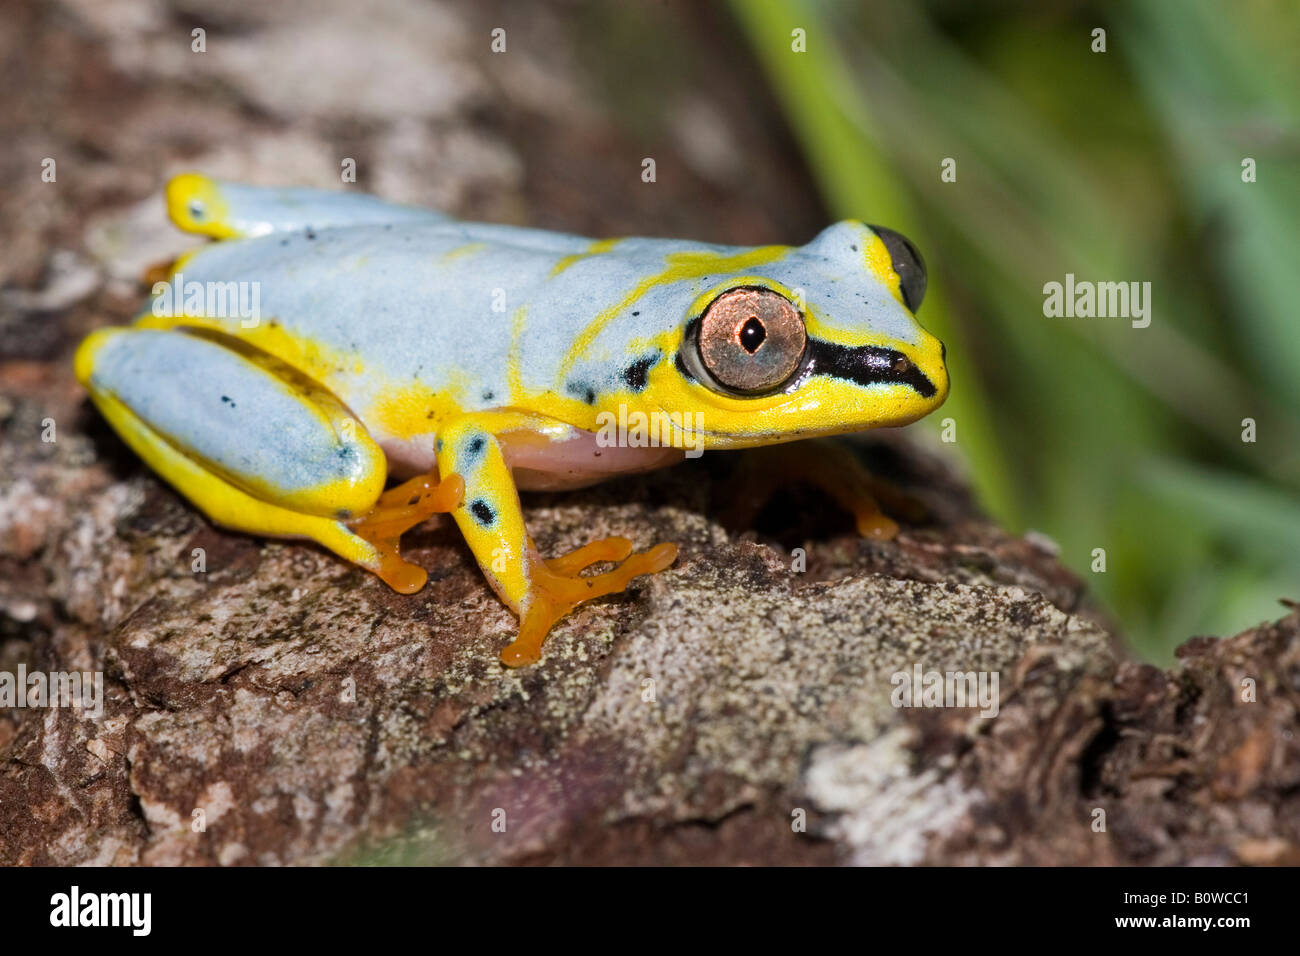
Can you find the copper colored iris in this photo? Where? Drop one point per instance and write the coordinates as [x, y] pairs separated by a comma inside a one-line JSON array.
[[751, 340]]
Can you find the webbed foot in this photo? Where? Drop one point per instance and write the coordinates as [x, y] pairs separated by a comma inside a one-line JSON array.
[[397, 511], [557, 588]]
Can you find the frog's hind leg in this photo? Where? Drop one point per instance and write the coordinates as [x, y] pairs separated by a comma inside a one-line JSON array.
[[252, 443], [540, 591], [828, 465]]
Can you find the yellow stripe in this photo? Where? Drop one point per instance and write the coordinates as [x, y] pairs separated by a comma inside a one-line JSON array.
[[680, 265], [881, 265], [514, 359], [596, 248], [460, 252]]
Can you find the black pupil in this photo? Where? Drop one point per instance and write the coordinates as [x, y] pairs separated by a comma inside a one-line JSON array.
[[752, 335]]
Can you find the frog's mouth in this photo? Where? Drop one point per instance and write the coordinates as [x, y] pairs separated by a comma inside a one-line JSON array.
[[863, 365]]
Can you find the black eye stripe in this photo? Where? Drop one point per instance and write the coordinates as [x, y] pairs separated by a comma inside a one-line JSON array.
[[866, 365]]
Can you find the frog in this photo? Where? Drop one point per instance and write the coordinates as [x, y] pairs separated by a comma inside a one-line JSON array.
[[401, 363]]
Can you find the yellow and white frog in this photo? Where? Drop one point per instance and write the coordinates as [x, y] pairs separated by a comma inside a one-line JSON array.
[[387, 340]]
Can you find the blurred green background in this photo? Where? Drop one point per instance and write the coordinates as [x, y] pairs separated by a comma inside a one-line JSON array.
[[1123, 165]]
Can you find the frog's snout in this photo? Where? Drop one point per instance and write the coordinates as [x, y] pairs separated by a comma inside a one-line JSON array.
[[933, 362]]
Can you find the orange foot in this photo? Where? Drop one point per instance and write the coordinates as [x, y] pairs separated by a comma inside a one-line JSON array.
[[397, 511], [558, 587], [828, 465]]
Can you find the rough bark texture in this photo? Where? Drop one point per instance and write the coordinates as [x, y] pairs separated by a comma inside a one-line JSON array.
[[729, 710]]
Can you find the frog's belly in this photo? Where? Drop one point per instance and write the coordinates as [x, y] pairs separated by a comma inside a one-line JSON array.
[[550, 466]]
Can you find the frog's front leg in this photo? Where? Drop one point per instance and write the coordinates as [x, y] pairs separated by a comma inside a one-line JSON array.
[[254, 444], [477, 448]]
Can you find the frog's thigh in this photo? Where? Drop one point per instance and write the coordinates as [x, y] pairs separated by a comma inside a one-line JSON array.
[[255, 448]]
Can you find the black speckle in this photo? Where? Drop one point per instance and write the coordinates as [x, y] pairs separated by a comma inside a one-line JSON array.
[[474, 448], [482, 512], [227, 400], [488, 395], [637, 374], [636, 313], [310, 233], [284, 242], [437, 446], [854, 248], [583, 391]]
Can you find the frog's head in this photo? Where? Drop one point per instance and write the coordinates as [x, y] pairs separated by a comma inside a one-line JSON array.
[[821, 339]]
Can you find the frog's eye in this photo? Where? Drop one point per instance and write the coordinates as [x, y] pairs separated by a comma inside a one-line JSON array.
[[907, 263], [196, 210], [751, 340]]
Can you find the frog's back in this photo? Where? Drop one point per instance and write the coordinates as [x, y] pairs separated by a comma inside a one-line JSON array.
[[473, 312], [427, 303]]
